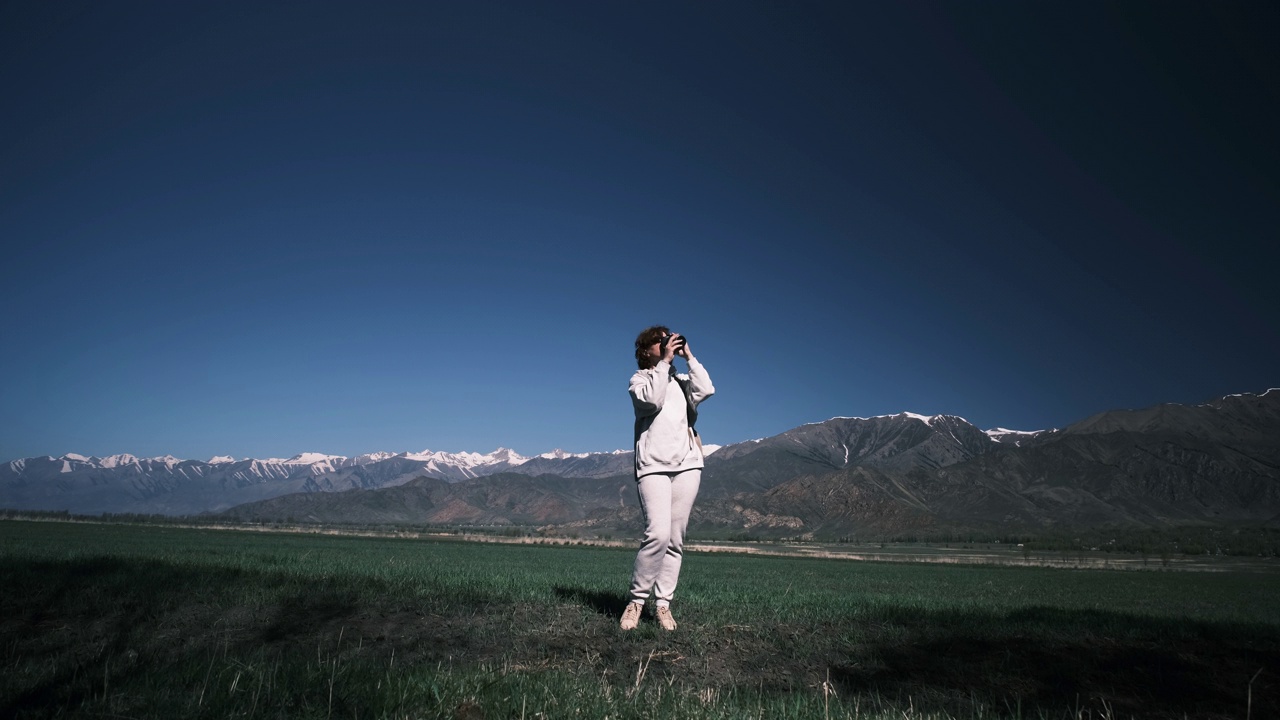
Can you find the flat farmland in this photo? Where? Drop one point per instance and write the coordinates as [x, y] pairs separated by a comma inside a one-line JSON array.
[[137, 621]]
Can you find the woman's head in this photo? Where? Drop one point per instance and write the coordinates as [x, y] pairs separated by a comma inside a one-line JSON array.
[[645, 357]]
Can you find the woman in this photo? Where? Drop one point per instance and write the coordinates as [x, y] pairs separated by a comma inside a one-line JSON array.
[[668, 462]]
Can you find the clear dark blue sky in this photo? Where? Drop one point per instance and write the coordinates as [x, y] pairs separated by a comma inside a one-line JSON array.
[[259, 229]]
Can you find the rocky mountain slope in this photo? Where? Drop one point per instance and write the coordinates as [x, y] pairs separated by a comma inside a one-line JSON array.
[[1172, 464], [500, 499]]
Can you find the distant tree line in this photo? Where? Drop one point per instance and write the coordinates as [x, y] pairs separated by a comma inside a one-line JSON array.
[[1251, 541]]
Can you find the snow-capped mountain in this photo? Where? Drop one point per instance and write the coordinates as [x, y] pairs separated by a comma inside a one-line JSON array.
[[1211, 464], [459, 466], [559, 454], [1013, 437], [904, 445], [168, 485], [903, 441], [578, 465]]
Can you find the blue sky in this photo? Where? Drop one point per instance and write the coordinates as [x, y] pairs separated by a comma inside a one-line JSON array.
[[261, 229]]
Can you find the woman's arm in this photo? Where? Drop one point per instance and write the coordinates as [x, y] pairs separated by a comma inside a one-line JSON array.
[[649, 389], [700, 387]]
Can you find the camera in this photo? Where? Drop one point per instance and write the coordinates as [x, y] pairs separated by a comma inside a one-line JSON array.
[[667, 339]]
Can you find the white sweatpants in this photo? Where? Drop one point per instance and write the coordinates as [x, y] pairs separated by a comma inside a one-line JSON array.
[[666, 499]]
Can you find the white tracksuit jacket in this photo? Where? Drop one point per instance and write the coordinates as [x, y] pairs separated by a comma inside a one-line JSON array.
[[666, 405]]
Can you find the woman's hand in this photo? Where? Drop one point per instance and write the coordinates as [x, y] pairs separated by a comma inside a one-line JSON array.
[[668, 348], [683, 348]]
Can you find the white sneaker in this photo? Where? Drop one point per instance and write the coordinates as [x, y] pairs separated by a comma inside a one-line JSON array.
[[631, 616], [665, 620]]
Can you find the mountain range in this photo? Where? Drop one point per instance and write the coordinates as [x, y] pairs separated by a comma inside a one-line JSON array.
[[1213, 463], [169, 486]]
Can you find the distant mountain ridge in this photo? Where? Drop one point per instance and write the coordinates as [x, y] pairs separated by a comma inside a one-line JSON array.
[[1215, 463], [459, 464], [170, 486], [1176, 463], [901, 440]]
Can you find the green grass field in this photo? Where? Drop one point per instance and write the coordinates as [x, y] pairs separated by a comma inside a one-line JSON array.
[[150, 621]]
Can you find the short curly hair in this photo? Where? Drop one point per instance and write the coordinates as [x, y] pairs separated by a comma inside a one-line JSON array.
[[647, 337]]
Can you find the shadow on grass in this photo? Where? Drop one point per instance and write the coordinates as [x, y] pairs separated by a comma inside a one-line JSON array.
[[82, 614], [1040, 661], [72, 630], [609, 604], [78, 628], [299, 615]]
